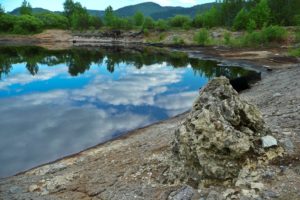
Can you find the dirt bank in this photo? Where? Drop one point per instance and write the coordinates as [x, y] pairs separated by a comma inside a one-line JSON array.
[[133, 167], [50, 39], [267, 58]]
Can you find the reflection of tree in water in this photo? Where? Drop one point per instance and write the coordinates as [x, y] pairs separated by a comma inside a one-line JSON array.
[[209, 69], [80, 60]]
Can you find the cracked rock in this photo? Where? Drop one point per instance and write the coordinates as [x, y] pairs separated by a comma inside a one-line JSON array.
[[220, 133]]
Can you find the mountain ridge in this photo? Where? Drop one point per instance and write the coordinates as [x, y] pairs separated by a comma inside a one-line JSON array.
[[151, 9]]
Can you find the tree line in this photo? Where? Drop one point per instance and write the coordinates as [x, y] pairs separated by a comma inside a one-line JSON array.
[[234, 14]]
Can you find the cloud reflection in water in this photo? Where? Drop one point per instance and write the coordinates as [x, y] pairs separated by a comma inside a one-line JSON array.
[[42, 126]]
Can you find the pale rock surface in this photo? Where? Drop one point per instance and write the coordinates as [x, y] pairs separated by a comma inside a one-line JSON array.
[[220, 133]]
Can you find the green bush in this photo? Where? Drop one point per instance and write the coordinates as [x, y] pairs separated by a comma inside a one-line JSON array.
[[178, 40], [202, 37], [95, 22], [227, 38], [7, 23], [26, 24], [148, 23], [198, 21], [274, 34], [161, 25], [52, 20], [179, 21], [265, 36], [253, 39]]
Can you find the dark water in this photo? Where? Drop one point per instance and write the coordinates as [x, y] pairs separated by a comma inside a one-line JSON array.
[[55, 103]]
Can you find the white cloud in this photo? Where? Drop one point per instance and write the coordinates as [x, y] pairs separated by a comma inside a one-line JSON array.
[[163, 2], [193, 2]]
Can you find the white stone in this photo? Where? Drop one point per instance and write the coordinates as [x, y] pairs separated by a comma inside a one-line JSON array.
[[277, 95], [268, 141], [258, 186], [33, 188]]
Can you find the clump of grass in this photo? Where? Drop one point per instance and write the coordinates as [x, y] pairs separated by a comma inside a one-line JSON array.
[[202, 37], [178, 40], [295, 52], [227, 38]]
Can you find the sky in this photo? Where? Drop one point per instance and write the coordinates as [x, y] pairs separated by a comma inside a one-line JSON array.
[[56, 5]]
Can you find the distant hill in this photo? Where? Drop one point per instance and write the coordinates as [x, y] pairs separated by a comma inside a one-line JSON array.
[[34, 10], [148, 9]]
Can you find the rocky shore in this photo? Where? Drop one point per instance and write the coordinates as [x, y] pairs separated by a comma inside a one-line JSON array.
[[137, 165]]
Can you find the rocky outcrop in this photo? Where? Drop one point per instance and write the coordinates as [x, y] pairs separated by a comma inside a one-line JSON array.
[[221, 132]]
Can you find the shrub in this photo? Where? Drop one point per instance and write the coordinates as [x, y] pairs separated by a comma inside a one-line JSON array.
[[146, 32], [162, 25], [178, 40], [266, 35], [202, 37], [227, 38], [26, 24], [7, 23], [180, 20], [253, 39], [148, 23], [198, 21], [274, 34], [95, 22], [51, 20]]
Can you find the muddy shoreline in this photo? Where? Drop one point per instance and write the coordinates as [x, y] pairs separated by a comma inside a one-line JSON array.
[[133, 165]]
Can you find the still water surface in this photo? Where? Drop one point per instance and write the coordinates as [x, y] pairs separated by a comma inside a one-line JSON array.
[[55, 103]]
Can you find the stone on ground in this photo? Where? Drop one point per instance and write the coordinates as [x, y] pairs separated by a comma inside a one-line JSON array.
[[221, 132]]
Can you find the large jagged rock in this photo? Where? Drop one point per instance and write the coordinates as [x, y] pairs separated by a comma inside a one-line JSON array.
[[220, 133]]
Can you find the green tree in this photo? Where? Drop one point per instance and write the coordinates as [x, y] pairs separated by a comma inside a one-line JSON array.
[[109, 16], [25, 8], [241, 20], [138, 18], [80, 19], [69, 7], [261, 13], [211, 18], [229, 10]]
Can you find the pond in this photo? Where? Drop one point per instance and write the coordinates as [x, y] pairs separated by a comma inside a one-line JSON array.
[[55, 103]]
